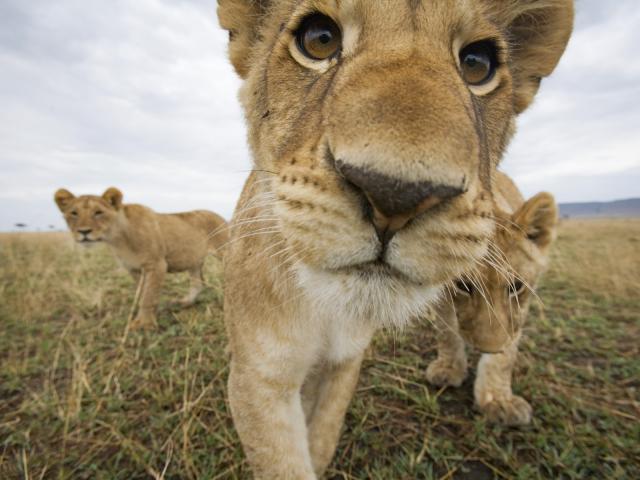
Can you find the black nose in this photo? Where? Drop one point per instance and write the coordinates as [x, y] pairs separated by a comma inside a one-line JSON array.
[[84, 231], [395, 201]]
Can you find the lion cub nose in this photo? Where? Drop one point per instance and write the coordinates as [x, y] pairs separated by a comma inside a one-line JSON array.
[[395, 202], [84, 231]]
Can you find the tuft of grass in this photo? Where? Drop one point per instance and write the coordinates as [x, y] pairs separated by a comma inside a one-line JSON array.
[[79, 400]]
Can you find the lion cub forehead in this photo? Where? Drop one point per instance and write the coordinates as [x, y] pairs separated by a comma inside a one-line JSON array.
[[89, 201], [520, 254], [388, 10], [376, 20]]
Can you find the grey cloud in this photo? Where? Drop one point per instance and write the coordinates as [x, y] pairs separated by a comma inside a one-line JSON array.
[[134, 94], [139, 94]]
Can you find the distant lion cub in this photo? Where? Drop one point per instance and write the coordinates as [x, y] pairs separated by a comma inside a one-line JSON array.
[[146, 243], [488, 308]]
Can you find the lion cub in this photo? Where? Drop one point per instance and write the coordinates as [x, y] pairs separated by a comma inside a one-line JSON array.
[[147, 243], [375, 129], [488, 308]]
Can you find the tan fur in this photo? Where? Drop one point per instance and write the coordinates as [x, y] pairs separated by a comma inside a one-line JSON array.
[[306, 280], [490, 317], [148, 244]]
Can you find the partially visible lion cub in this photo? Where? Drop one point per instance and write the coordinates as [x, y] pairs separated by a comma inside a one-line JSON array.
[[489, 307], [146, 243]]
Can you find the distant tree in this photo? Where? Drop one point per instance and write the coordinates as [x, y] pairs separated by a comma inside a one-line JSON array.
[[21, 225], [52, 227]]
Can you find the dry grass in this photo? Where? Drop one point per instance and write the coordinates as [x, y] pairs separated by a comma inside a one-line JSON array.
[[76, 401], [587, 248]]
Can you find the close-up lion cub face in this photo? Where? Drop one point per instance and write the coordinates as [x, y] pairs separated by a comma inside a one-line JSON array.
[[492, 304], [376, 127], [90, 218]]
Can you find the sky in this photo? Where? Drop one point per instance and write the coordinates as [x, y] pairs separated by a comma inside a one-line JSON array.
[[139, 94]]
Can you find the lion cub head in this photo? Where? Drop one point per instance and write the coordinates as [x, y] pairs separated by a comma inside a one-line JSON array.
[[90, 218], [376, 127], [492, 304]]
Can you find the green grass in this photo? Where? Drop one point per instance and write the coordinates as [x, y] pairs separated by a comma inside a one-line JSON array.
[[79, 399]]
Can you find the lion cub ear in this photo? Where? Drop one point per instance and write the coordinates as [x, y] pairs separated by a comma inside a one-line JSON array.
[[242, 18], [113, 196], [538, 218], [62, 198], [538, 32]]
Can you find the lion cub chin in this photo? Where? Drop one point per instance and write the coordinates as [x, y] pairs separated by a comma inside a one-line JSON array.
[[148, 244], [488, 307]]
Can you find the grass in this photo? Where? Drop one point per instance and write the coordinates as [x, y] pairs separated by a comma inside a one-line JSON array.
[[79, 399]]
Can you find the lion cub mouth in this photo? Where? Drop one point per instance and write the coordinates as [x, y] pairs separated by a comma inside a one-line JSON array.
[[377, 269], [88, 241]]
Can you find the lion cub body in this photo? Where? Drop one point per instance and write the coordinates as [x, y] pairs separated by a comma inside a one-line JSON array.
[[146, 243], [488, 308]]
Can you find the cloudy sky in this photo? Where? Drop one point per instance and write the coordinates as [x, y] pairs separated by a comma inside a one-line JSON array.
[[139, 94]]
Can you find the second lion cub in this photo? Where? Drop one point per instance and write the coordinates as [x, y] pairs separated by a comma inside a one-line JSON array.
[[147, 243], [487, 309]]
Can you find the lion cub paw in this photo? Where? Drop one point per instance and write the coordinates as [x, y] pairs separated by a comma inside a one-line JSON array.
[[442, 373], [144, 321], [513, 412]]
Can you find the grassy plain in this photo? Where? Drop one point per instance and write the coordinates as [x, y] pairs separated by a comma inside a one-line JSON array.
[[80, 399]]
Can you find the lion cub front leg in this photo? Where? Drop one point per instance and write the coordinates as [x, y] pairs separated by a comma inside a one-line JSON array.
[[492, 389], [152, 278], [450, 367], [268, 416], [330, 394], [196, 285]]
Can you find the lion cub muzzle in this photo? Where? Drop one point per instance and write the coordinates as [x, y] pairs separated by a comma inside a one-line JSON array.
[[403, 159], [84, 234], [392, 203]]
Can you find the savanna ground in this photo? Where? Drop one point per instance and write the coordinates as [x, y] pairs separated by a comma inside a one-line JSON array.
[[81, 398]]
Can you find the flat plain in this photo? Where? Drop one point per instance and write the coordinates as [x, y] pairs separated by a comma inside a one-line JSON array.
[[82, 397]]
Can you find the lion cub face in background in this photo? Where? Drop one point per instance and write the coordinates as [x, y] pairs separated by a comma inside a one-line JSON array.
[[492, 304], [90, 218]]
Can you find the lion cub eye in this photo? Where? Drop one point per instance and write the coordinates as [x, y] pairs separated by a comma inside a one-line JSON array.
[[319, 37], [464, 287], [478, 62], [516, 288], [98, 213], [74, 213]]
